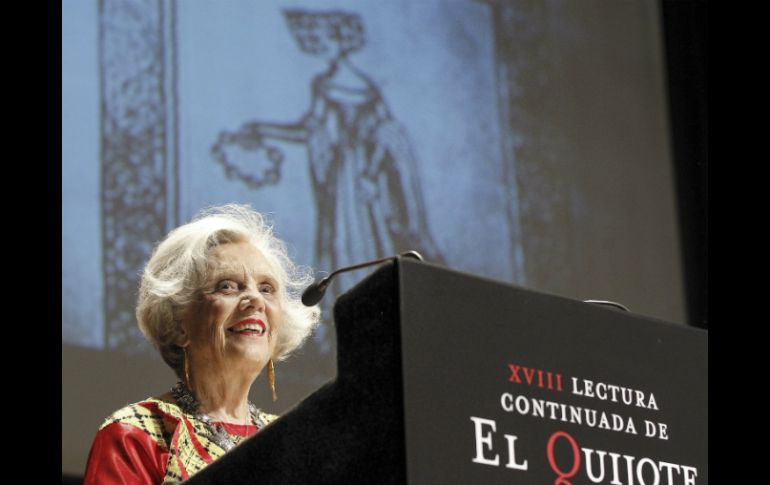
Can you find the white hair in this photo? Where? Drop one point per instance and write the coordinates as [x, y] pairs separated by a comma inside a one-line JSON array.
[[177, 270]]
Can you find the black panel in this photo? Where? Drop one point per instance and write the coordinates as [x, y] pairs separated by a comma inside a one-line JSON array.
[[460, 336]]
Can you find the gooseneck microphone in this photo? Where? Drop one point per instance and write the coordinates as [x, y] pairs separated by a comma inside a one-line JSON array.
[[313, 293]]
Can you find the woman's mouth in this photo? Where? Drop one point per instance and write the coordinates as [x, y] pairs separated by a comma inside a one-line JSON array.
[[249, 327]]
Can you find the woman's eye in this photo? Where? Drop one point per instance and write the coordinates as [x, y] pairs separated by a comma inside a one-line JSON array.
[[227, 286], [267, 288]]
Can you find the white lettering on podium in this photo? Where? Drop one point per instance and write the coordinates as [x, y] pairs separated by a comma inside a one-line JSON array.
[[484, 430], [642, 471], [484, 440], [512, 454], [599, 466], [610, 392], [652, 429]]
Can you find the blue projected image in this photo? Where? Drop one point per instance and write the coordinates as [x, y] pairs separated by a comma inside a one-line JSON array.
[[82, 288], [363, 132]]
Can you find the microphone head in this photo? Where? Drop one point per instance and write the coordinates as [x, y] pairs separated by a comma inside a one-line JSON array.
[[313, 293], [412, 254]]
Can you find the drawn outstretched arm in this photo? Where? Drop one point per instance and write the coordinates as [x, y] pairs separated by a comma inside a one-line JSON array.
[[297, 132], [259, 130], [263, 166]]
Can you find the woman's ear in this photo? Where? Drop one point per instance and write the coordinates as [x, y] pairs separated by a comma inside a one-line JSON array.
[[183, 337]]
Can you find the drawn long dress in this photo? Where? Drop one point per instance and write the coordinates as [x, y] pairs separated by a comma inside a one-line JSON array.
[[364, 175], [365, 178]]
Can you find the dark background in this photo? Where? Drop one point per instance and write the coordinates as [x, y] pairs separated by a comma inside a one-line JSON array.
[[685, 25]]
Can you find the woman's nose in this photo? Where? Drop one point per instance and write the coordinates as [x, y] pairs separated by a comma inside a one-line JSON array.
[[252, 297]]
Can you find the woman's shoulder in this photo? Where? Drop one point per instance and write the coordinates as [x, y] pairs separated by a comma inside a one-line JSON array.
[[149, 413], [156, 413]]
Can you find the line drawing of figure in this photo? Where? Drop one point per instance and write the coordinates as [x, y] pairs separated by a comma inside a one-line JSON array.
[[362, 165]]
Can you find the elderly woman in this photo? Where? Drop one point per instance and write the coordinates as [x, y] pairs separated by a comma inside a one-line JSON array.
[[219, 298]]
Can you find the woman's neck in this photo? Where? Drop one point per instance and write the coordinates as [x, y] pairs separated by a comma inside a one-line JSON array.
[[223, 398]]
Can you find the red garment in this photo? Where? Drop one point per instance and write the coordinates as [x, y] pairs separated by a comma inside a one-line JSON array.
[[124, 454], [153, 442]]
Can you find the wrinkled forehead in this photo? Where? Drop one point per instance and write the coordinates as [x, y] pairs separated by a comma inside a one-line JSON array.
[[239, 258]]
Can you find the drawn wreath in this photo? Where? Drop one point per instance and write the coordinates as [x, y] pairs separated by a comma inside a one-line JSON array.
[[264, 166]]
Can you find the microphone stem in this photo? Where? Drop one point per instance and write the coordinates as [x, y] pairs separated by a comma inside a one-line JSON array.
[[314, 292], [356, 266]]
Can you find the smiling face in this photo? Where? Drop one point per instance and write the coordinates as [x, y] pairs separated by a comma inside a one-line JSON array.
[[233, 327]]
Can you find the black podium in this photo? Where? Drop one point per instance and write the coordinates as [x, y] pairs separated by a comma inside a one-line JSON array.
[[447, 378]]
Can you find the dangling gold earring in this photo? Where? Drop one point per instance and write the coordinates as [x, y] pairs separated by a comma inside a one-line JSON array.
[[271, 378], [186, 368]]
